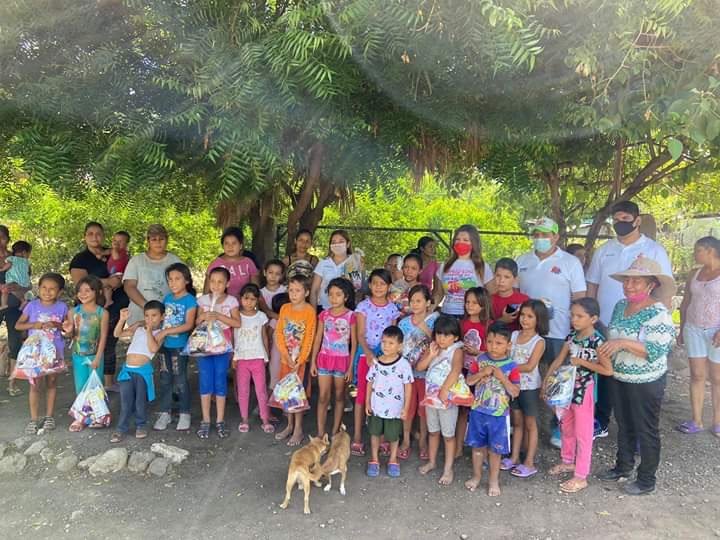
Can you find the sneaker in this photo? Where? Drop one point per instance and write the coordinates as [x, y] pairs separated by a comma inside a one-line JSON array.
[[183, 422], [614, 475], [555, 438], [163, 421], [633, 488], [599, 432]]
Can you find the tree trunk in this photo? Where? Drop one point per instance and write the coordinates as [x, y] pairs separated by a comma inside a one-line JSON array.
[[311, 181], [262, 224], [552, 179]]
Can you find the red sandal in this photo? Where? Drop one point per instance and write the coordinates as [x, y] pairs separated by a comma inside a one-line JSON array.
[[357, 449]]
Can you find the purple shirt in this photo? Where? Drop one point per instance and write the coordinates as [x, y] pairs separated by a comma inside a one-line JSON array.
[[377, 319], [240, 272], [36, 311]]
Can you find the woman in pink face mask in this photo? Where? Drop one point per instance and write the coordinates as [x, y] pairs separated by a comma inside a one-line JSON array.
[[641, 334], [464, 269]]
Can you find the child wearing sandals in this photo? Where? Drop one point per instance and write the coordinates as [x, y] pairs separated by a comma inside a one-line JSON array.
[[334, 347], [496, 379], [374, 314], [445, 355], [577, 421], [528, 347], [294, 336], [252, 341], [89, 328], [417, 331], [48, 315], [136, 376], [389, 387], [223, 308]]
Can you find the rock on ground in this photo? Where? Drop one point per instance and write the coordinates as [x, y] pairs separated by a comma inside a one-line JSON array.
[[113, 460], [67, 463], [22, 442], [3, 449], [35, 448], [139, 461], [14, 463], [172, 453], [87, 462], [159, 466], [47, 454]]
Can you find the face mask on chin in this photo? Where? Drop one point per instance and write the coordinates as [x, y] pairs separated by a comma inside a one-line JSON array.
[[638, 297], [623, 228]]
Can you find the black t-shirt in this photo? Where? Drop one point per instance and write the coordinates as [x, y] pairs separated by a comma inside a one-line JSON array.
[[86, 260]]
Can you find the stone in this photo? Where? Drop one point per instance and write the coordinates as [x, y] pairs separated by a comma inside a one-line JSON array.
[[35, 448], [172, 453], [159, 466], [14, 463], [47, 454], [139, 461], [3, 449], [22, 442], [114, 460], [67, 463], [76, 515], [87, 462]]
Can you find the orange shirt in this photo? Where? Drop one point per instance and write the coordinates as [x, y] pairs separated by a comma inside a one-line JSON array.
[[295, 333]]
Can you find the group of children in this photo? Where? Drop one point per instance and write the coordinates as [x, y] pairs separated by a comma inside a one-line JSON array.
[[401, 360]]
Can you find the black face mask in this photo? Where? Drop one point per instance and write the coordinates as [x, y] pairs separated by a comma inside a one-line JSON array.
[[623, 228]]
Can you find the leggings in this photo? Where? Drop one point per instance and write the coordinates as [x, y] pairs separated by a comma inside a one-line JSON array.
[[244, 372]]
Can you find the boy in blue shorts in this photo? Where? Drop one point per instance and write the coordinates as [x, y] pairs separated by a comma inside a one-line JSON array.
[[497, 381]]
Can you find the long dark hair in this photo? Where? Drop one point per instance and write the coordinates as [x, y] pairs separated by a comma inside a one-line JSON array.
[[95, 284], [592, 308], [476, 253], [185, 271], [347, 289], [483, 298], [542, 316]]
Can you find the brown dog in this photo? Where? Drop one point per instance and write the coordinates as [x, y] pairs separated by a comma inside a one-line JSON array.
[[304, 468], [337, 458]]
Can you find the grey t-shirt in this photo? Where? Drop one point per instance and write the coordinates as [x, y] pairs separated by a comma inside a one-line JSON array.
[[150, 276]]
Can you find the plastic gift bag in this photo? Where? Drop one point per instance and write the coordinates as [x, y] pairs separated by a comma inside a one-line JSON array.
[[207, 339], [459, 394], [289, 395], [560, 388], [37, 358], [91, 406], [491, 397]]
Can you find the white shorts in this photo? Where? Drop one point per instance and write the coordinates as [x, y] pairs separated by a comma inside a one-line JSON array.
[[699, 342], [444, 420]]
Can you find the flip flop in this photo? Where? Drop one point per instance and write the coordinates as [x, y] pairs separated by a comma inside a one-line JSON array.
[[403, 454], [716, 430], [506, 464], [357, 449], [424, 455], [268, 428], [521, 471], [689, 428], [385, 449], [572, 486]]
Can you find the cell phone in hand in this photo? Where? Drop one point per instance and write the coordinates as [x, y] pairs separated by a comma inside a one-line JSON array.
[[511, 308]]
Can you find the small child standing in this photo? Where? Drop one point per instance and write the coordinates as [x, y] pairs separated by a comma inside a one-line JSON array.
[[443, 362], [117, 260], [274, 274], [334, 347], [374, 315], [389, 388], [528, 347], [497, 381], [46, 315], [294, 336], [411, 268], [136, 377], [577, 422], [278, 301], [179, 321], [417, 329], [17, 274], [478, 314], [507, 299], [89, 329], [252, 342], [223, 308]]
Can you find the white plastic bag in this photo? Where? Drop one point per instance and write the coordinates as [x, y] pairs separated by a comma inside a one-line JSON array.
[[560, 388], [91, 405]]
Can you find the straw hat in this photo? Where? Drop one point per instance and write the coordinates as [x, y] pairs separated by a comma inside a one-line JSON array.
[[645, 267]]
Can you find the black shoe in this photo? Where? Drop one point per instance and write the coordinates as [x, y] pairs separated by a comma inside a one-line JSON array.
[[614, 475], [633, 488]]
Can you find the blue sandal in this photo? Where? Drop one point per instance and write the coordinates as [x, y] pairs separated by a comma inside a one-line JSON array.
[[373, 469], [393, 470]]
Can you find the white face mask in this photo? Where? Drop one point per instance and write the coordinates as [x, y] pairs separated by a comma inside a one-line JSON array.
[[339, 249]]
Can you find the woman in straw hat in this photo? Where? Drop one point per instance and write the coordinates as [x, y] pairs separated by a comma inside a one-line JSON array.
[[641, 334]]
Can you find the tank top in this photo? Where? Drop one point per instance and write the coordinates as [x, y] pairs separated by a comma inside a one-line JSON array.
[[704, 308]]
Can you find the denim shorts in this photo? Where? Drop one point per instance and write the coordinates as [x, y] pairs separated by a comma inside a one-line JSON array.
[[699, 342], [491, 432]]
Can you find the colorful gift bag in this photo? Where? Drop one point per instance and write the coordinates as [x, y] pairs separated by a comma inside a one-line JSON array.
[[37, 358], [560, 387], [91, 406], [289, 395], [207, 339]]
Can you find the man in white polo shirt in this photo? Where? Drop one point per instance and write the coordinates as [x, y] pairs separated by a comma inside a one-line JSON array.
[[554, 276], [615, 256]]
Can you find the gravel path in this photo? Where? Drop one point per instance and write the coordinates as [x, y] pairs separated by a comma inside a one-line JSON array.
[[234, 486]]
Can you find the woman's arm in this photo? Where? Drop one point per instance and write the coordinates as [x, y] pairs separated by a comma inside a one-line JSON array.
[[687, 298], [603, 366], [131, 289], [534, 359], [315, 290]]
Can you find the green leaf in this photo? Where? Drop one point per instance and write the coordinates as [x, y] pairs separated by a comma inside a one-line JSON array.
[[675, 147], [713, 129]]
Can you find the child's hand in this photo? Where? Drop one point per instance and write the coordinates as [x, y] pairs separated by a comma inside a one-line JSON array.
[[95, 364], [370, 358], [434, 349], [313, 370], [234, 363], [211, 315], [472, 351], [368, 410], [348, 375], [496, 372], [403, 414], [574, 361], [292, 363], [68, 326], [510, 317], [124, 314], [443, 395]]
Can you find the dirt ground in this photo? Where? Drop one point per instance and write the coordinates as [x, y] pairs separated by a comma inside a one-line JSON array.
[[233, 488]]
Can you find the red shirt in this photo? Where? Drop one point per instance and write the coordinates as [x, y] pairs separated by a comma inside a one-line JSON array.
[[499, 303], [473, 336]]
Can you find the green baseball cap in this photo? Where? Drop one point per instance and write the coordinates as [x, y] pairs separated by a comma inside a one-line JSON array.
[[544, 224]]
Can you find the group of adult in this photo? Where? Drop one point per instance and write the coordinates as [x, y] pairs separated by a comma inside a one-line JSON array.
[[630, 276]]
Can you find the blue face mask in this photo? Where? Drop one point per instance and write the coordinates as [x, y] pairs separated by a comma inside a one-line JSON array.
[[542, 245]]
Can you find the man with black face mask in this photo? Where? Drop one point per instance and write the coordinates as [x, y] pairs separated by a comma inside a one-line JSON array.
[[612, 257]]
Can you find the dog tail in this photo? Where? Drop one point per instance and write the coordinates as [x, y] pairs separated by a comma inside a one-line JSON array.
[[343, 428]]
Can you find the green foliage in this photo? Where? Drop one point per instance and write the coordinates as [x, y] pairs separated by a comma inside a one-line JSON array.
[[400, 205]]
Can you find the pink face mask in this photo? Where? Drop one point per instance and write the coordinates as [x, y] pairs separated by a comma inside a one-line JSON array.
[[638, 297]]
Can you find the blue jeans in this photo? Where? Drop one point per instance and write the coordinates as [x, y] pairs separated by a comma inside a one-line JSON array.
[[133, 402], [173, 378]]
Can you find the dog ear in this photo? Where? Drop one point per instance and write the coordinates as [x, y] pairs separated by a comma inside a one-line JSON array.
[[325, 439]]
